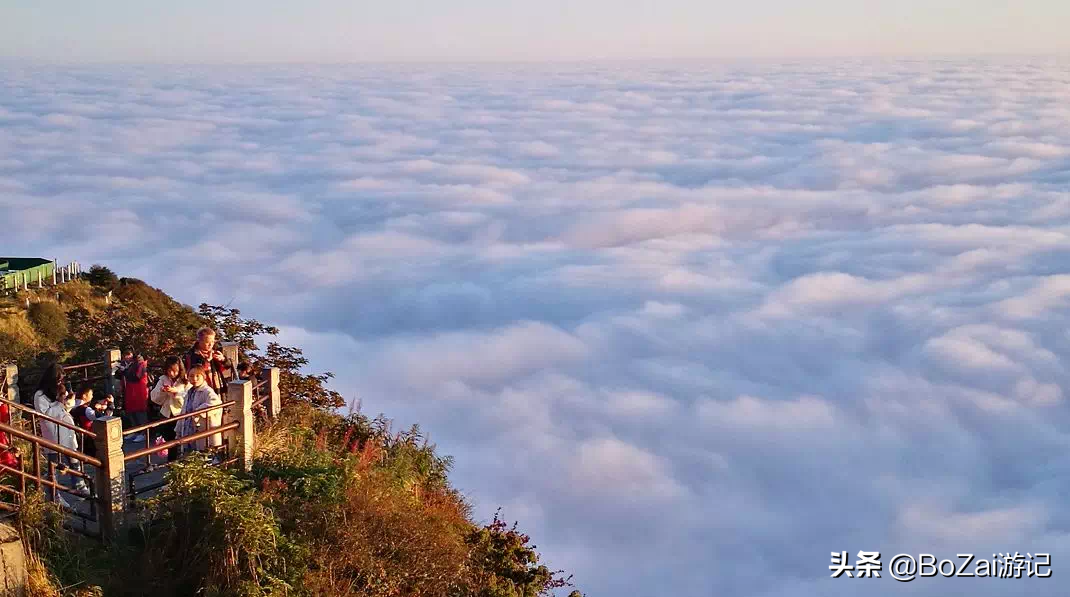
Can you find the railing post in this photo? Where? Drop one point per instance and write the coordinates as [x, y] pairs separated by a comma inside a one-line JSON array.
[[111, 363], [241, 392], [11, 376], [274, 401], [111, 478], [11, 392]]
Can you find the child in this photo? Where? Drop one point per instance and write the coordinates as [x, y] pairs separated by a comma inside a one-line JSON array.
[[83, 413], [170, 395], [200, 396]]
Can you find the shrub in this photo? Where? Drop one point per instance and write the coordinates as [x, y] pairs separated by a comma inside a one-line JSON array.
[[504, 565], [207, 533], [55, 557], [18, 340], [382, 541], [50, 321]]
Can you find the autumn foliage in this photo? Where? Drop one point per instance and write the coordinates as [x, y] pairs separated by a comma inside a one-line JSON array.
[[337, 505]]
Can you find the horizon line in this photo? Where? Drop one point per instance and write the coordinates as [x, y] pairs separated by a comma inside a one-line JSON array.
[[935, 56]]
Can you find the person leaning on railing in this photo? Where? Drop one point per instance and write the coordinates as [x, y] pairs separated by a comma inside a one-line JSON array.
[[170, 395], [52, 395]]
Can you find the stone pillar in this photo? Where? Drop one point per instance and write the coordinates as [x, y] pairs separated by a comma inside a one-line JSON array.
[[111, 478], [112, 357], [241, 393], [274, 401], [54, 267], [11, 391]]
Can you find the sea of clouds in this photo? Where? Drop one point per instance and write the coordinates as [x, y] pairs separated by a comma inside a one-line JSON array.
[[695, 326]]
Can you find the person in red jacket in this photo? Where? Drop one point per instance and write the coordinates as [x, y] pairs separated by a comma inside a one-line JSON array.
[[136, 394]]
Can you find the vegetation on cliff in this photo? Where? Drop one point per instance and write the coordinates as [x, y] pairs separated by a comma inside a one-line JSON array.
[[336, 504]]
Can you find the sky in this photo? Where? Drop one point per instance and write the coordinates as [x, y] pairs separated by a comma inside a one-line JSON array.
[[694, 326], [209, 31]]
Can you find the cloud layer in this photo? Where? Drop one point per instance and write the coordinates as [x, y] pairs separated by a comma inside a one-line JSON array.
[[695, 326]]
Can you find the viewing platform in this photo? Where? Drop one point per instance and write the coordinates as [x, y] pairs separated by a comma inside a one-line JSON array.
[[123, 472]]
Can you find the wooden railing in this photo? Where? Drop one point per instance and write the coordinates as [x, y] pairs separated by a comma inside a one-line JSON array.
[[112, 473]]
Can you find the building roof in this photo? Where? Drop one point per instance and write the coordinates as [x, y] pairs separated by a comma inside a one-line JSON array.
[[15, 264]]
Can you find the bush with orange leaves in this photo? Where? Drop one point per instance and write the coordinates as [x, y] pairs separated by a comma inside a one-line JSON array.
[[379, 518]]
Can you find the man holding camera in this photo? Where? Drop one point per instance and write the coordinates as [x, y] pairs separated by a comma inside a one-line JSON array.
[[205, 354]]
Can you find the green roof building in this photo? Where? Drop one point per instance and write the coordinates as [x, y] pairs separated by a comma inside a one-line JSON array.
[[25, 270]]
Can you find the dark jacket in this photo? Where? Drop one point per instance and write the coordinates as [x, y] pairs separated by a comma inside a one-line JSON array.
[[217, 373]]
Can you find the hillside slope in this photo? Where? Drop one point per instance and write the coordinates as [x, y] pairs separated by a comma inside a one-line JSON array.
[[335, 505]]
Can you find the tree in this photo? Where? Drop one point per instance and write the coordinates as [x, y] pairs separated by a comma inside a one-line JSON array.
[[102, 278], [230, 326], [294, 384], [131, 325], [504, 565], [49, 321]]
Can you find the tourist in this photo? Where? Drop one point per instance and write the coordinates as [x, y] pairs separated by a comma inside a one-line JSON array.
[[59, 410], [215, 365], [83, 413], [170, 395], [120, 370], [200, 396], [83, 416], [50, 387], [136, 394]]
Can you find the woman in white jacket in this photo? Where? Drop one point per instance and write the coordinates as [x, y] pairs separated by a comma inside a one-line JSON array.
[[49, 389], [201, 396], [170, 395], [52, 400]]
